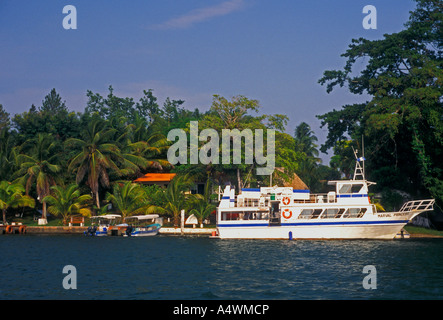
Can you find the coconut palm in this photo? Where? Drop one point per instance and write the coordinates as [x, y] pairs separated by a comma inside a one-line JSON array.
[[201, 205], [175, 197], [202, 209], [151, 147], [11, 196], [132, 161], [95, 156], [38, 165], [129, 198], [66, 202]]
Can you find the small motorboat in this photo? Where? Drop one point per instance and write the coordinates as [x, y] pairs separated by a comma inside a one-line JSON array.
[[142, 226], [101, 225]]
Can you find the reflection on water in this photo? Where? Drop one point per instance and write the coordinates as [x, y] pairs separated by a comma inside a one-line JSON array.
[[172, 267]]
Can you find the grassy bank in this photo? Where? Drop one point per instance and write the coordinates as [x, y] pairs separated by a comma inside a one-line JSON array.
[[423, 231]]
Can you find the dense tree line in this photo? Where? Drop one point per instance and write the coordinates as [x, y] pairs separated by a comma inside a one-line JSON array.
[[402, 123], [78, 161]]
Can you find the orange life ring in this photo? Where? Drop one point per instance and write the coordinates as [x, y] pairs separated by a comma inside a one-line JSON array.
[[22, 229], [286, 201], [287, 214], [8, 229]]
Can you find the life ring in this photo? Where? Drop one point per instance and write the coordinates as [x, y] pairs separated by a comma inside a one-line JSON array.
[[22, 229], [8, 229], [286, 201], [287, 214]]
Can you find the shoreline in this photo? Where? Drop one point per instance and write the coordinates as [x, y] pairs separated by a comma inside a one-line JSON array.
[[81, 230], [165, 231]]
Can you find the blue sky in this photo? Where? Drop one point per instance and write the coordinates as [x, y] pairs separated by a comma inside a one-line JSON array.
[[272, 51]]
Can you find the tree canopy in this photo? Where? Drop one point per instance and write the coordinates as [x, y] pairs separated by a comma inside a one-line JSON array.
[[402, 123]]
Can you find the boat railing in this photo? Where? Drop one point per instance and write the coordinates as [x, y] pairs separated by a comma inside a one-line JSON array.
[[418, 205], [319, 198], [329, 197]]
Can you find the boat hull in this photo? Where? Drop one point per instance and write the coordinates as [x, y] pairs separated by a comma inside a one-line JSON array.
[[144, 233], [320, 230]]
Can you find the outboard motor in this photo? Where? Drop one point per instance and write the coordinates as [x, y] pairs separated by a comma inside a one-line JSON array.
[[129, 230], [88, 232]]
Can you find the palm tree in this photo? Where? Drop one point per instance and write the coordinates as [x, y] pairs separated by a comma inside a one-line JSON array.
[[11, 196], [202, 209], [152, 149], [305, 141], [38, 165], [66, 202], [132, 161], [175, 197], [129, 198], [150, 146], [95, 156], [201, 205], [305, 144]]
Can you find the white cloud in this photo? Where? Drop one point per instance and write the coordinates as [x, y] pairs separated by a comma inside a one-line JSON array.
[[199, 15]]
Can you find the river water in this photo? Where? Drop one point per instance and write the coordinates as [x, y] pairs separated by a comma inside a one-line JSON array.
[[199, 268]]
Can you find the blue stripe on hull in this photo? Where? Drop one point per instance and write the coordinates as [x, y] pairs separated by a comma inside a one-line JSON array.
[[313, 223]]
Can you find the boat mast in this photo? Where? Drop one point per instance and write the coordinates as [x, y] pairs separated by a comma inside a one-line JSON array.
[[359, 169]]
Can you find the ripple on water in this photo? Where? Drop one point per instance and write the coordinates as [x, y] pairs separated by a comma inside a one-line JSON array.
[[200, 268]]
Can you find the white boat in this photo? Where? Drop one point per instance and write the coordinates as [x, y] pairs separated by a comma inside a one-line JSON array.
[[284, 213], [101, 225], [139, 226]]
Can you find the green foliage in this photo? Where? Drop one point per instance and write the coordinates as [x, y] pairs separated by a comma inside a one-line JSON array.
[[129, 198], [402, 122], [66, 202], [94, 156], [175, 197], [11, 196], [37, 165]]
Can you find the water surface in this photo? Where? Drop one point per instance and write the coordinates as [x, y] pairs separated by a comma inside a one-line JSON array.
[[173, 267]]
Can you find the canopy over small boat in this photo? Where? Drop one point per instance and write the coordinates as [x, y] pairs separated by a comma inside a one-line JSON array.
[[144, 217], [107, 216]]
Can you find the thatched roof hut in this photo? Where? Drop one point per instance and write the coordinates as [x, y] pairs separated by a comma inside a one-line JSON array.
[[296, 183]]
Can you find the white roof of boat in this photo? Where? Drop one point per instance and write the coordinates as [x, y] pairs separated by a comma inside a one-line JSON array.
[[107, 216], [143, 217]]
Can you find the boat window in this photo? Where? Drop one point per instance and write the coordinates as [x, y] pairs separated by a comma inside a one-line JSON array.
[[356, 188], [345, 188], [305, 214], [254, 216], [330, 213], [240, 215], [354, 213], [230, 216], [316, 213], [362, 212], [350, 188], [340, 213]]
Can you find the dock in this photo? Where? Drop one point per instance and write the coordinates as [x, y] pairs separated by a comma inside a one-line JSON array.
[[22, 229]]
